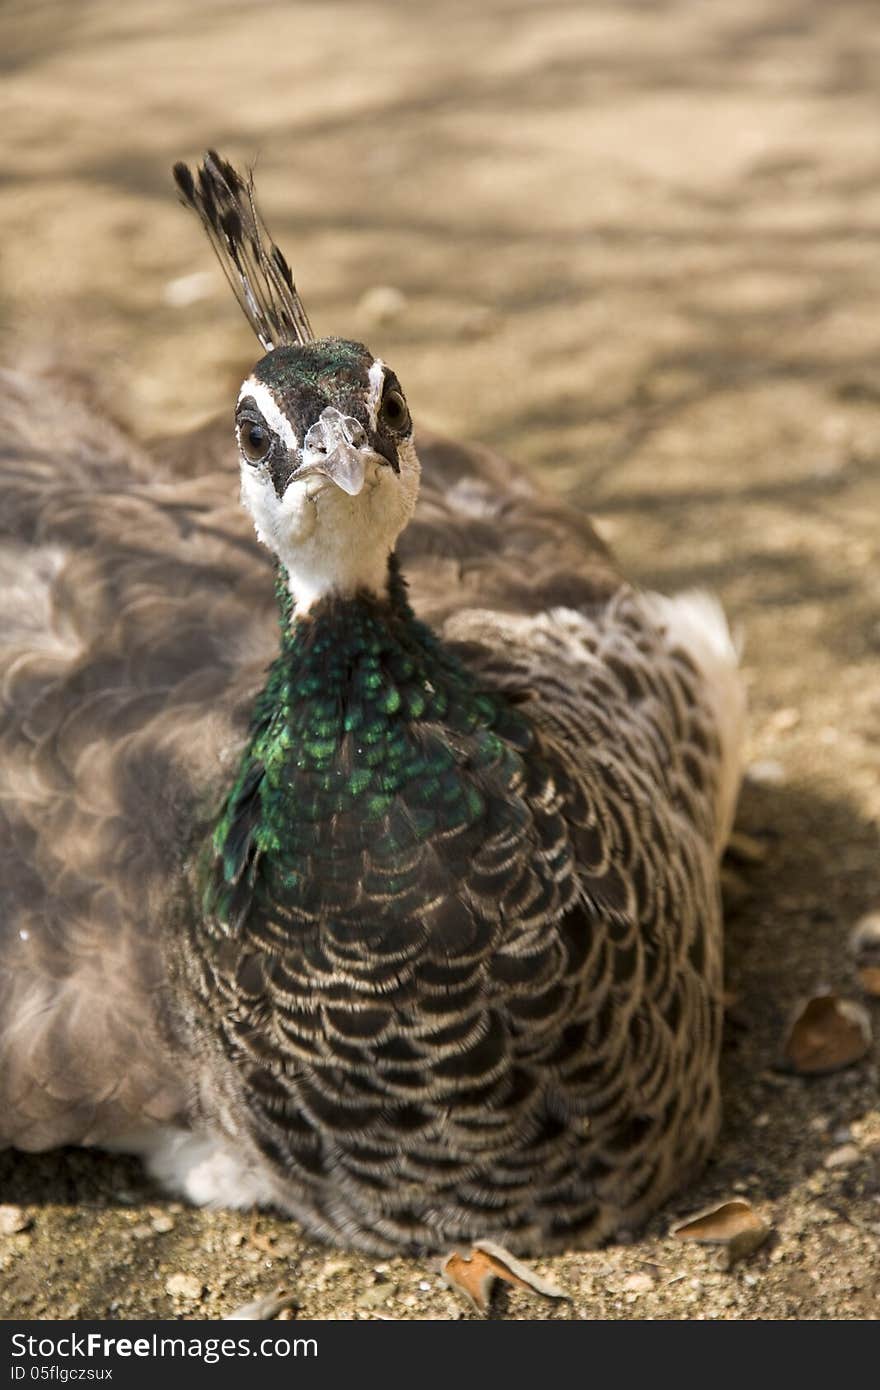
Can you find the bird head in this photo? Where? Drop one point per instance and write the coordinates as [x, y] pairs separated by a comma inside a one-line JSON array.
[[329, 471]]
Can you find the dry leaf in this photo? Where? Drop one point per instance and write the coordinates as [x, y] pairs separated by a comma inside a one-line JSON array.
[[263, 1309], [474, 1274], [864, 943], [826, 1034], [735, 1225]]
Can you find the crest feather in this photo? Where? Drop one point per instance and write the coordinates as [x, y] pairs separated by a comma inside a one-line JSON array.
[[258, 274]]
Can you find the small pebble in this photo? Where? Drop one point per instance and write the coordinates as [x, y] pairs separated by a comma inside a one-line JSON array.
[[843, 1157], [746, 848], [637, 1283], [864, 944], [766, 772], [381, 304], [375, 1296], [184, 1286], [476, 320], [775, 1081], [784, 720], [163, 1224], [13, 1219], [188, 289]]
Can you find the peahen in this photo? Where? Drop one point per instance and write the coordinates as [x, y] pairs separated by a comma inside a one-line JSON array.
[[371, 873]]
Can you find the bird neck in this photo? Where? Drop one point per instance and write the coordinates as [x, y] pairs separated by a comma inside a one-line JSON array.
[[352, 651], [361, 725], [387, 597]]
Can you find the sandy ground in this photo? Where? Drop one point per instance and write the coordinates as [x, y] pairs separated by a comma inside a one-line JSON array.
[[634, 246]]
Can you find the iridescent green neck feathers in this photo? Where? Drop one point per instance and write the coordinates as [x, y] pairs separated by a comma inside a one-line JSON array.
[[368, 740]]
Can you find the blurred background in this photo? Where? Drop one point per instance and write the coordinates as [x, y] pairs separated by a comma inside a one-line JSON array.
[[632, 245]]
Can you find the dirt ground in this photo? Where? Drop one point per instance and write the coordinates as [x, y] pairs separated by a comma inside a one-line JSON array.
[[634, 246]]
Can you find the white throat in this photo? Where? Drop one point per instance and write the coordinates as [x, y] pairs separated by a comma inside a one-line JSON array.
[[328, 542], [335, 551]]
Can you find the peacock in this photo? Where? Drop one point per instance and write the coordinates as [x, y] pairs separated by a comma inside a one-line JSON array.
[[360, 845]]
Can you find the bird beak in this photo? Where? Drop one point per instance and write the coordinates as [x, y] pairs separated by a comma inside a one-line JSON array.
[[346, 467], [336, 445]]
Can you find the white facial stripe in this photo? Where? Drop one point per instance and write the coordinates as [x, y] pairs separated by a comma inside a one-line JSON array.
[[270, 411], [377, 381]]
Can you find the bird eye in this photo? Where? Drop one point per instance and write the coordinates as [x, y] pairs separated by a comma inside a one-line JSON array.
[[394, 413], [254, 440]]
